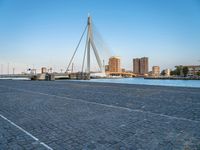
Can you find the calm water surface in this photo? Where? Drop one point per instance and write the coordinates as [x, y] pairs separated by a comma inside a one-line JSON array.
[[180, 83]]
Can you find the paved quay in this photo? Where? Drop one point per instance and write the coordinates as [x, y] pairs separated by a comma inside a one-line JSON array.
[[75, 115]]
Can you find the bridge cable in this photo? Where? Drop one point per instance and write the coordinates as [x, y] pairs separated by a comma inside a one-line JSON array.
[[76, 48]]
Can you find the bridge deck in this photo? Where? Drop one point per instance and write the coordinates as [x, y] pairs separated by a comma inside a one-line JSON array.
[[83, 115]]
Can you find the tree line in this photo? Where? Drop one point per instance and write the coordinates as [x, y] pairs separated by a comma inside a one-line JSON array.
[[179, 71]]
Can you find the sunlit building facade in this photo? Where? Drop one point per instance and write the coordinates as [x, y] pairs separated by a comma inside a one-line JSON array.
[[193, 70], [167, 72], [155, 71], [141, 65], [136, 65], [114, 64], [144, 65]]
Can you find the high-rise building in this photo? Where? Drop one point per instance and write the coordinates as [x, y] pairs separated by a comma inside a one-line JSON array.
[[114, 64], [144, 65], [155, 70], [136, 66], [140, 65]]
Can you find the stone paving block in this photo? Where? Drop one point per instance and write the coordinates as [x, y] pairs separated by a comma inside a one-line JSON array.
[[83, 115]]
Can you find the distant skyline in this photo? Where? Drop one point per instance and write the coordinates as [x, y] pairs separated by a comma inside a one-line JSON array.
[[37, 33]]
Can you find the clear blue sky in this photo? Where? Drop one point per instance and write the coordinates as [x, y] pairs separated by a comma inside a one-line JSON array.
[[46, 32]]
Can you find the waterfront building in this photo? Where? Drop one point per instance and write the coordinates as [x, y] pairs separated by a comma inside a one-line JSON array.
[[155, 71], [141, 65], [43, 70], [136, 66], [114, 64], [144, 65], [193, 70], [150, 73], [167, 72]]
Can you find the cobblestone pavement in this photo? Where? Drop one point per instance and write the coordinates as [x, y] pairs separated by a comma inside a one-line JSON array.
[[83, 115]]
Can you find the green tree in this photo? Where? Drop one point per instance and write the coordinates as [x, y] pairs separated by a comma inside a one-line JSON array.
[[172, 72], [163, 73], [198, 73], [185, 71], [178, 70]]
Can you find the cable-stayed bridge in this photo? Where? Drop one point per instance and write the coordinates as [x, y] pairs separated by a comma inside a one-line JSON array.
[[94, 43]]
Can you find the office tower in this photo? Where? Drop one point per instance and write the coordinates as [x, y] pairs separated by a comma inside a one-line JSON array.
[[136, 66], [144, 65], [140, 65]]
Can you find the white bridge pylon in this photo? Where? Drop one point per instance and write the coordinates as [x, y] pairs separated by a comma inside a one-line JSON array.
[[90, 44]]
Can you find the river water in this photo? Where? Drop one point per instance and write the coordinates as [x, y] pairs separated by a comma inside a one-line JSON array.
[[178, 83]]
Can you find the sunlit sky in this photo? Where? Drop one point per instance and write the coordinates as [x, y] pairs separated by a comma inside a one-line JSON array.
[[37, 33]]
